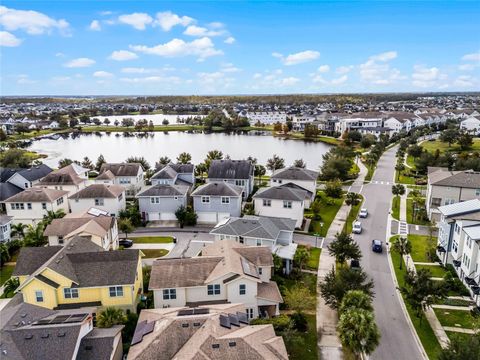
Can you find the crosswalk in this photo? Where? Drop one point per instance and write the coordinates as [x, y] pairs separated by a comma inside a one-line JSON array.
[[402, 228], [382, 182]]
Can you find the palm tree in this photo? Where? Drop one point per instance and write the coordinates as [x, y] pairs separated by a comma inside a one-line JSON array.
[[34, 235], [358, 331], [11, 285], [356, 299], [403, 247], [53, 214], [111, 316], [352, 199], [344, 248], [184, 158], [18, 230], [4, 253]]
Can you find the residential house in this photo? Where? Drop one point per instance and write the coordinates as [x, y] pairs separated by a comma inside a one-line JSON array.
[[129, 175], [110, 198], [209, 332], [268, 118], [400, 121], [284, 201], [227, 272], [80, 274], [34, 332], [29, 206], [174, 174], [26, 178], [79, 170], [275, 233], [215, 201], [446, 187], [305, 178], [471, 125], [65, 178], [5, 228], [235, 172], [160, 202], [94, 224]]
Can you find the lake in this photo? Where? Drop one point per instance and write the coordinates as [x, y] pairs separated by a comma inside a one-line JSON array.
[[157, 119], [116, 147]]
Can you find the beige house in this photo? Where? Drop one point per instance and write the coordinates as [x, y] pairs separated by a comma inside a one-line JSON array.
[[128, 175], [110, 198], [208, 332], [227, 272], [64, 179], [448, 187]]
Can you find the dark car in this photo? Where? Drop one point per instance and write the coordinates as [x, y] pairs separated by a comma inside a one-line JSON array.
[[354, 264], [377, 246], [125, 243]]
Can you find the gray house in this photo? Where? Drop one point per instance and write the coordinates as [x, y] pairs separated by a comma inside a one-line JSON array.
[[159, 202], [174, 174], [235, 172], [216, 201]]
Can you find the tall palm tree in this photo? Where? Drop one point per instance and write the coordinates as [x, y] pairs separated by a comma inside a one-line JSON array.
[[358, 331], [11, 285], [356, 299], [18, 230], [53, 214], [34, 235], [111, 316], [403, 247], [352, 199]]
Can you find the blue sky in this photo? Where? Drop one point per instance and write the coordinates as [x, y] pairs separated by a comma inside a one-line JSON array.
[[137, 48]]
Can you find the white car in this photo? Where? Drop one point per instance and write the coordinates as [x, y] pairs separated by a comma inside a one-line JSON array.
[[363, 213], [357, 227]]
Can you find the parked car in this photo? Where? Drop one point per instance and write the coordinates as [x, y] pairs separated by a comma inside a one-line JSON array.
[[357, 227], [363, 213], [377, 246], [354, 264], [125, 243]]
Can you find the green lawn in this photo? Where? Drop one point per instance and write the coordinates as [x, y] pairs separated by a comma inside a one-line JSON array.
[[437, 271], [352, 215], [411, 161], [452, 334], [403, 179], [307, 348], [154, 253], [410, 218], [423, 328], [396, 207], [419, 247], [432, 146], [371, 170], [453, 318], [6, 273], [327, 214], [152, 239], [312, 263]]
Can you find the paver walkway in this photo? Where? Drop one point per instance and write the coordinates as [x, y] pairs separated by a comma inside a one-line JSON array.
[[459, 330], [452, 307]]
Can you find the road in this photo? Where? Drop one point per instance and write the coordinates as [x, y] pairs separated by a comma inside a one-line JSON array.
[[397, 341]]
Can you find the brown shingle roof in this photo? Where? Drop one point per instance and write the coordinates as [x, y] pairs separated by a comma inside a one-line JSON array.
[[121, 169], [98, 191], [37, 194], [65, 226], [269, 291], [61, 178]]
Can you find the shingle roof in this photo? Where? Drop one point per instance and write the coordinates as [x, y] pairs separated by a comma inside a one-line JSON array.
[[37, 194], [8, 190], [98, 344], [218, 188], [230, 169], [255, 226], [64, 226], [295, 173], [106, 175], [281, 193], [31, 258], [4, 219], [99, 191], [122, 169], [269, 291], [35, 172], [166, 172], [464, 179], [164, 190], [7, 173], [60, 178]]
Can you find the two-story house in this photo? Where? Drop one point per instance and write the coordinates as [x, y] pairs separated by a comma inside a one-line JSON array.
[[65, 178], [29, 206], [275, 233], [174, 174], [110, 198], [235, 172], [128, 175], [5, 228], [94, 224], [447, 187], [216, 201], [80, 274], [471, 125], [160, 202], [26, 178], [305, 178], [227, 272]]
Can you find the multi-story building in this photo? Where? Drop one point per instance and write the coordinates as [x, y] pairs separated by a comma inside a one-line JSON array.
[[110, 198], [266, 117], [235, 172], [128, 175]]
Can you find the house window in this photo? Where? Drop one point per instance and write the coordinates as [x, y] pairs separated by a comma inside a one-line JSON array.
[[26, 185], [70, 293], [29, 206], [60, 201], [260, 271], [225, 200], [60, 239], [259, 242], [449, 201], [39, 295], [169, 294], [116, 291], [267, 202], [242, 289], [205, 199], [44, 206], [287, 204], [213, 289], [120, 197], [436, 201], [98, 202], [250, 313], [477, 192], [240, 182], [155, 200]]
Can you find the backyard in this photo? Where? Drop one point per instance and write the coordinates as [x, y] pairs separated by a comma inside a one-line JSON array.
[[421, 247], [455, 318]]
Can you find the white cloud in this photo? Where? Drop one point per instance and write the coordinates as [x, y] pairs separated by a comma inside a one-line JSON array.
[[152, 79], [138, 21], [297, 58], [386, 56], [60, 54], [344, 69], [167, 20], [61, 78], [194, 30], [377, 69], [123, 55], [467, 67], [229, 68], [425, 77], [24, 80], [339, 80], [257, 76], [136, 70], [95, 25], [273, 79], [472, 57], [464, 81], [8, 39], [79, 63], [323, 69], [289, 81], [32, 22], [102, 74], [202, 48], [230, 40]]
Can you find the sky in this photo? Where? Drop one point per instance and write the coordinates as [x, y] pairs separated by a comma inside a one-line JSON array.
[[201, 48]]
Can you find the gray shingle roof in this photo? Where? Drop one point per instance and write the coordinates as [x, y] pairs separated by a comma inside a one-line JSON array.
[[164, 190], [7, 173], [8, 190], [464, 179], [31, 258], [35, 172], [98, 344], [218, 188], [281, 193], [60, 178], [166, 173], [37, 194], [255, 226], [230, 169], [295, 173], [122, 169], [98, 191]]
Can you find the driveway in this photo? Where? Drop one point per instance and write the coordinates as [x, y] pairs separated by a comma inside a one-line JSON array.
[[397, 339]]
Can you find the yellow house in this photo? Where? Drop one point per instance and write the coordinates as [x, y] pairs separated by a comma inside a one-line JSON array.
[[79, 274]]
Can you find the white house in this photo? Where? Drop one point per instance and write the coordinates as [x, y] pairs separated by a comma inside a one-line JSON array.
[[128, 175], [110, 198], [160, 202], [227, 272], [470, 125], [5, 228], [29, 206], [26, 178], [305, 178], [65, 178], [266, 117]]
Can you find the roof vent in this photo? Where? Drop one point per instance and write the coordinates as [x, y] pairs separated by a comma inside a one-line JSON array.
[[88, 347], [23, 315], [215, 346], [45, 336], [185, 325], [61, 334], [28, 336], [232, 343]]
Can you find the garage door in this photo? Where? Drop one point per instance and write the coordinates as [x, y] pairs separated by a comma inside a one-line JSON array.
[[207, 217], [168, 216], [222, 216], [153, 216]]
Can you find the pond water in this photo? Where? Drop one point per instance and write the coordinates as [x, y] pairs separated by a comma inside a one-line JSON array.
[[117, 147], [157, 119]]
